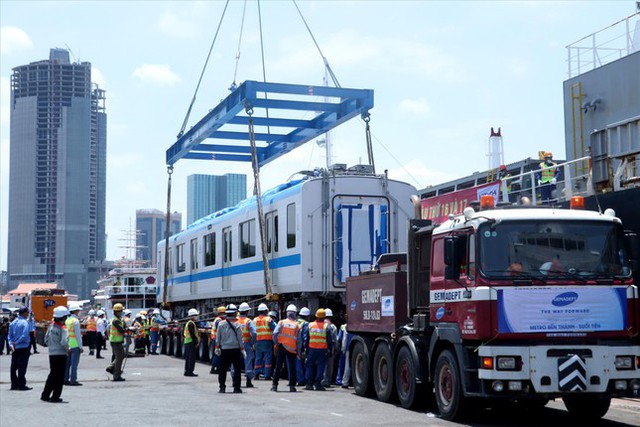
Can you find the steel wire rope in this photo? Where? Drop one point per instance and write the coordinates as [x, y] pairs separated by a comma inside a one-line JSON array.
[[326, 63], [193, 100], [235, 72], [264, 70]]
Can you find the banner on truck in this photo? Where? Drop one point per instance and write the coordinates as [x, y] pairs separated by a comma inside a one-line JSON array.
[[438, 208], [566, 309]]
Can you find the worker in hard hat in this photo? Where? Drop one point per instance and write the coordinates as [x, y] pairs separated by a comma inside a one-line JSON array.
[[248, 338], [332, 330], [215, 359], [146, 324], [57, 341], [191, 343], [101, 332], [116, 340], [286, 338], [128, 332], [318, 344], [230, 348], [75, 345], [505, 183], [547, 177], [154, 330], [265, 326], [274, 315], [139, 333], [303, 323], [90, 330], [344, 365]]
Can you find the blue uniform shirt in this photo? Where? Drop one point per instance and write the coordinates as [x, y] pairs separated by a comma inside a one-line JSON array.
[[19, 333]]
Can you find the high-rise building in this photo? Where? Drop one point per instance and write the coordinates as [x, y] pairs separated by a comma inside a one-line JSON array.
[[150, 229], [207, 194], [57, 180]]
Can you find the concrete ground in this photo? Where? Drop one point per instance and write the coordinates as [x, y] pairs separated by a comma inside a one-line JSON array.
[[156, 393]]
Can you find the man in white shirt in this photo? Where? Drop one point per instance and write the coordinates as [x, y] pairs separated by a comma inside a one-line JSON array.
[[101, 333]]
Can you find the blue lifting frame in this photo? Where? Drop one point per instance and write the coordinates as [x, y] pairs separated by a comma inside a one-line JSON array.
[[285, 121]]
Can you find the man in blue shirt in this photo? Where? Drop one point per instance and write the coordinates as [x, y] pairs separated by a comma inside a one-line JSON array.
[[19, 341]]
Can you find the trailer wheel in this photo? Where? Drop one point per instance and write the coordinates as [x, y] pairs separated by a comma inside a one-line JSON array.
[[360, 367], [448, 386], [405, 375], [587, 408], [383, 372]]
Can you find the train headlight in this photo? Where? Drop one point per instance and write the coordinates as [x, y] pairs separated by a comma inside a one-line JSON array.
[[623, 363]]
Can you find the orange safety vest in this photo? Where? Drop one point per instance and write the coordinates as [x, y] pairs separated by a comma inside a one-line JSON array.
[[246, 333], [214, 328], [288, 335], [263, 329], [140, 332], [154, 326], [318, 335], [91, 324]]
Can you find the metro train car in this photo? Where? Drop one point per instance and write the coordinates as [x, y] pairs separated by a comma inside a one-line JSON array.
[[319, 231]]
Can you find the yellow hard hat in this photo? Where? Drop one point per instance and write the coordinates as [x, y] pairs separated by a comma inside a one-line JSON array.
[[222, 309], [321, 313], [143, 312], [118, 307], [548, 154]]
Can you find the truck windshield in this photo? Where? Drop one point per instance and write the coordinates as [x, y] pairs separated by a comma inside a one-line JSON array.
[[552, 249]]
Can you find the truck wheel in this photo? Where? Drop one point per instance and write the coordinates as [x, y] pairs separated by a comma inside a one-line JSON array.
[[448, 386], [360, 367], [405, 375], [383, 372], [587, 408]]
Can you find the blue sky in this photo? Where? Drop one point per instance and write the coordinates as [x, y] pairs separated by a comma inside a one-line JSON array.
[[443, 74]]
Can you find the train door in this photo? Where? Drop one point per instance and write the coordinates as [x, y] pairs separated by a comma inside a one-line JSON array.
[[227, 258], [193, 266], [271, 228], [361, 234]]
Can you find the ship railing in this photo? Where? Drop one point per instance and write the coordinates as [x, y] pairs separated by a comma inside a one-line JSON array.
[[574, 179], [130, 289], [606, 45]]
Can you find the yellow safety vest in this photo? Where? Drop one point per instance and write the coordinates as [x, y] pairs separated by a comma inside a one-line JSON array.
[[73, 339], [547, 172], [114, 334], [187, 335]]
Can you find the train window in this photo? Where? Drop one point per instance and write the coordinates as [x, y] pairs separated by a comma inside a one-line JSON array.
[[291, 225], [226, 245], [271, 225], [209, 249], [180, 265], [248, 239], [194, 254]]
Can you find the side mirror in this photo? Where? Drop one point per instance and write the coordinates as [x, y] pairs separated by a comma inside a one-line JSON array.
[[452, 258]]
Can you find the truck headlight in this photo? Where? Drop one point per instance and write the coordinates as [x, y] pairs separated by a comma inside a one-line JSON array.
[[507, 363], [623, 363]]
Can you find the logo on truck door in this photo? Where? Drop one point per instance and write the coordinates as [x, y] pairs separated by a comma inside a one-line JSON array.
[[49, 303]]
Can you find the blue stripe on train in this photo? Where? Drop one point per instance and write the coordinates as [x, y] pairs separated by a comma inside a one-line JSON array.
[[286, 261]]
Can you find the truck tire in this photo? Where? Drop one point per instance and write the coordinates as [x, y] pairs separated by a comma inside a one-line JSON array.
[[360, 368], [587, 408], [405, 376], [383, 372], [448, 386]]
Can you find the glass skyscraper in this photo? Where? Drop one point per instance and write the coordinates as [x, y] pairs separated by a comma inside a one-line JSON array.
[[150, 229], [57, 179], [207, 194]]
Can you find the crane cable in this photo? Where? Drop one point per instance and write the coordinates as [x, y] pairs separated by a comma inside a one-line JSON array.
[[186, 119], [166, 241], [264, 71], [258, 193], [324, 59], [235, 72]]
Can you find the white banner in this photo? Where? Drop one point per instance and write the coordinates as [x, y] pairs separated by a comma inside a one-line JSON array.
[[565, 309]]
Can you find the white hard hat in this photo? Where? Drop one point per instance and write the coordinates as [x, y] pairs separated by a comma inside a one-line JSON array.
[[92, 312], [156, 311], [100, 313], [244, 307], [74, 306], [263, 307], [193, 312], [126, 311], [304, 311], [60, 311], [292, 307], [231, 309], [328, 312]]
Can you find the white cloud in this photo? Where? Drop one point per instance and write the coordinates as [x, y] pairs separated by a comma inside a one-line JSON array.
[[98, 78], [157, 74], [415, 106], [14, 39], [4, 102], [174, 26]]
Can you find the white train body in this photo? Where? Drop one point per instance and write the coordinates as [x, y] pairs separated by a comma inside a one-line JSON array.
[[319, 232]]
